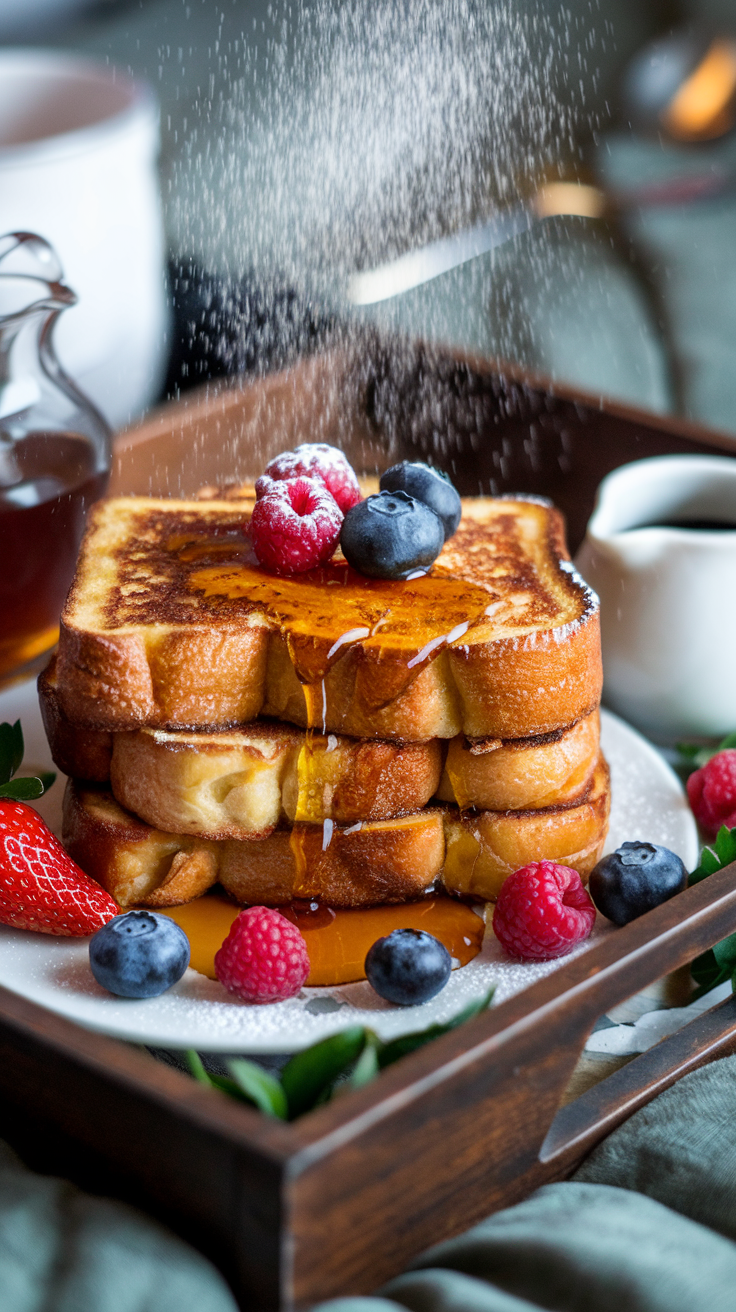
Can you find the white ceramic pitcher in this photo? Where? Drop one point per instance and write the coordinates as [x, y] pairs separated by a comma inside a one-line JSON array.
[[668, 593]]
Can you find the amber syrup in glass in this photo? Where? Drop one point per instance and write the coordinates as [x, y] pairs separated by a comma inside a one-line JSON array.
[[48, 481]]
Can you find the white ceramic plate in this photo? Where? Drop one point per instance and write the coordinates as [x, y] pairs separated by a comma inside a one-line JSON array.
[[648, 803]]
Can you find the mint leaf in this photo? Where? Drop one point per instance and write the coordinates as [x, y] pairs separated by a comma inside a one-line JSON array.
[[707, 973], [367, 1066], [310, 1075], [254, 1096], [689, 750], [725, 845], [401, 1047], [11, 756], [11, 750], [725, 954], [260, 1087], [694, 756], [715, 966], [721, 854], [718, 964], [27, 790], [196, 1068], [344, 1061]]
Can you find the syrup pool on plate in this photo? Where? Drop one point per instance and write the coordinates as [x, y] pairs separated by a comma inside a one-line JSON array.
[[337, 939]]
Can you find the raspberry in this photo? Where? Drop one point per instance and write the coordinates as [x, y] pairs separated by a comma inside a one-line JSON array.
[[295, 525], [317, 460], [264, 957], [712, 792], [542, 912]]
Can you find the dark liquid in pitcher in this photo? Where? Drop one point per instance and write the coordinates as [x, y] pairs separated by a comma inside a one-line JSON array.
[[47, 483], [700, 525]]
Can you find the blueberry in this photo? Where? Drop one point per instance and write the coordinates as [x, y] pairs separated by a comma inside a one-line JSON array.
[[139, 954], [391, 535], [427, 484], [408, 966], [634, 879]]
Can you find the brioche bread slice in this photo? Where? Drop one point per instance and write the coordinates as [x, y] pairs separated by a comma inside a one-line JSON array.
[[239, 783], [171, 623], [521, 773], [355, 865], [358, 865], [484, 848]]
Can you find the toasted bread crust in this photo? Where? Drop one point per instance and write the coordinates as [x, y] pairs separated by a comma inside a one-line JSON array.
[[168, 778], [127, 857], [242, 784], [522, 773], [358, 865], [501, 639], [386, 861], [383, 861], [79, 752], [484, 849]]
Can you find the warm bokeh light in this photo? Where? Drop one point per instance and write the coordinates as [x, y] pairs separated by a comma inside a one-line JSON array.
[[570, 198], [704, 107]]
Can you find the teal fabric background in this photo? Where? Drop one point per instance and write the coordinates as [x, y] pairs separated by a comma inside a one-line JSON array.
[[64, 1251], [593, 1244]]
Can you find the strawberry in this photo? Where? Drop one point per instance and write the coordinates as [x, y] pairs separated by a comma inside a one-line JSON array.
[[41, 888]]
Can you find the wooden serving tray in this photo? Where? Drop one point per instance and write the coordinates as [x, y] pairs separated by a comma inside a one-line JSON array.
[[342, 1199]]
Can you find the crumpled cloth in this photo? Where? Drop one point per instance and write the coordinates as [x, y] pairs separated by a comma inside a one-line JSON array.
[[604, 1241], [62, 1250]]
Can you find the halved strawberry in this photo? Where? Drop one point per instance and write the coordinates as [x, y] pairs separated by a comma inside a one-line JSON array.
[[41, 888]]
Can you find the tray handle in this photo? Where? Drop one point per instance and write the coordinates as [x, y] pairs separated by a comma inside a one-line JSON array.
[[577, 1128]]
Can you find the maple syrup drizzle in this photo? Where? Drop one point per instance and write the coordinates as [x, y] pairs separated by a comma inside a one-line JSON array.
[[458, 787], [323, 612], [309, 800], [320, 615], [337, 940]]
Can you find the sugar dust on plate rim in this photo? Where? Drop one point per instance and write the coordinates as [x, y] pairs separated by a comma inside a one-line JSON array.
[[647, 803]]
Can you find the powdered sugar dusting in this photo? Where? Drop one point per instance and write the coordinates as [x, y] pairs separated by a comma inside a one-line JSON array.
[[648, 803]]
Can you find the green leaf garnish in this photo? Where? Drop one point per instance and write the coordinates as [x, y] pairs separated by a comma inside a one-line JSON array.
[[694, 756], [718, 963], [252, 1085], [397, 1048], [27, 790], [714, 858], [367, 1066], [11, 750], [715, 966], [11, 755], [196, 1067], [261, 1087], [313, 1071], [344, 1061]]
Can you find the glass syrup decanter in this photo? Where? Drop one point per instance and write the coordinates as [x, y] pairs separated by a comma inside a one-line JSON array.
[[55, 455]]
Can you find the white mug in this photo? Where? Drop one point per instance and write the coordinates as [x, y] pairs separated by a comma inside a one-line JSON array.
[[78, 150], [668, 593]]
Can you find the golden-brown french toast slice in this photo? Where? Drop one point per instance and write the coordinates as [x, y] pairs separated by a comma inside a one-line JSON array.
[[483, 849], [243, 783], [138, 865], [347, 866], [356, 865], [171, 623], [521, 773], [239, 783]]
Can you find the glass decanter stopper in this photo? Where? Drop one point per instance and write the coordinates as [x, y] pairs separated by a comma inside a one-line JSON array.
[[54, 454]]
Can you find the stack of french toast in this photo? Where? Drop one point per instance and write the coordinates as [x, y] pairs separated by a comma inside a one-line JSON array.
[[324, 736]]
